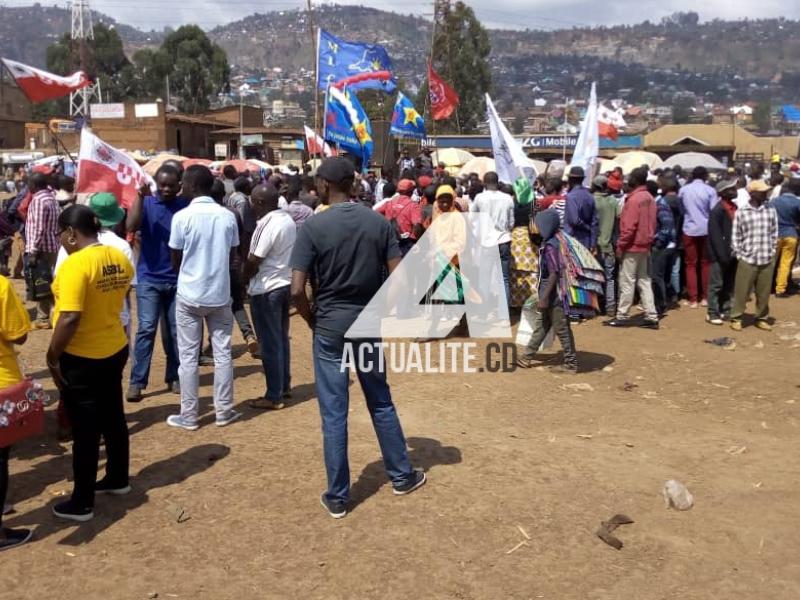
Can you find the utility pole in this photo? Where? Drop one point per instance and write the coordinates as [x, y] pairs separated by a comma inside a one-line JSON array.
[[83, 30]]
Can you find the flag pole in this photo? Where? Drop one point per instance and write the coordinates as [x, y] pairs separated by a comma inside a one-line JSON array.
[[315, 47], [564, 135], [430, 66]]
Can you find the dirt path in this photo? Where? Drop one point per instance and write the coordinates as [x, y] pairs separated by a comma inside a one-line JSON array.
[[504, 453]]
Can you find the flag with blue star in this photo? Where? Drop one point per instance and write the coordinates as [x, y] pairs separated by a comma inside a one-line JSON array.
[[361, 66], [347, 124], [406, 121]]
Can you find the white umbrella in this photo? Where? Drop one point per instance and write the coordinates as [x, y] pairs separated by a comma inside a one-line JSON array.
[[690, 160]]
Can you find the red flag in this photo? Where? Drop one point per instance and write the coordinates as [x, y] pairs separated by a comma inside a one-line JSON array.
[[443, 98], [103, 168], [316, 145], [607, 130], [40, 86]]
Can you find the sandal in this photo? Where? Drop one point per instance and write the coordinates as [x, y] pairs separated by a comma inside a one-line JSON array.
[[524, 363]]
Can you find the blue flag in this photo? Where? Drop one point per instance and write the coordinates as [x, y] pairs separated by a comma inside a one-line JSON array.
[[347, 124], [406, 121], [365, 66]]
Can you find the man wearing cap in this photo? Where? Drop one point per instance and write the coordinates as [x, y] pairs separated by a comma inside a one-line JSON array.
[[755, 239], [637, 230], [720, 250], [347, 249], [787, 205], [608, 211], [580, 216], [404, 214]]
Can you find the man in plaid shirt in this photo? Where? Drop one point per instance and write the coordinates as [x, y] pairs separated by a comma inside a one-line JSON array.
[[755, 239], [41, 237]]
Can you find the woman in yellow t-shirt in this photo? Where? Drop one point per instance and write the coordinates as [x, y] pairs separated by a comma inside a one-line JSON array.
[[86, 357], [14, 328]]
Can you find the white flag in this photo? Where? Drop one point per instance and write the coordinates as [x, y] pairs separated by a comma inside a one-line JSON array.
[[588, 147], [509, 158]]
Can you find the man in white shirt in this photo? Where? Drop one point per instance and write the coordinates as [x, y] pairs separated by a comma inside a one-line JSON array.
[[269, 273], [202, 237], [500, 208]]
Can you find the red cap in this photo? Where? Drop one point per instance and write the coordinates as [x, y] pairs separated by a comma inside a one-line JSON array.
[[406, 186], [424, 181]]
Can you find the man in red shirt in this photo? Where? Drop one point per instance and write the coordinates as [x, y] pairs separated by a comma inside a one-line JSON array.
[[637, 230], [406, 214], [41, 239]]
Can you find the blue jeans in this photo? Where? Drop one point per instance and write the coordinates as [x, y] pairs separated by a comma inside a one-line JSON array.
[[675, 276], [271, 319], [154, 302], [332, 383], [609, 263]]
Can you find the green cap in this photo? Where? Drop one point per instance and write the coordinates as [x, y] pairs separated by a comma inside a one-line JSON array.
[[106, 208]]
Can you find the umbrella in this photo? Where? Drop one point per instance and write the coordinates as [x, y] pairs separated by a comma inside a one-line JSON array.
[[629, 161], [154, 164], [242, 166], [196, 161], [480, 165], [451, 157], [690, 160]]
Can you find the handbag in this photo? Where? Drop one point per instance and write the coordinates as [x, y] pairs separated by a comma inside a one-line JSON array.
[[38, 279], [21, 412]]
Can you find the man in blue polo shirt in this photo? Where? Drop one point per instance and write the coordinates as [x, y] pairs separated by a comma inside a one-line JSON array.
[[157, 280]]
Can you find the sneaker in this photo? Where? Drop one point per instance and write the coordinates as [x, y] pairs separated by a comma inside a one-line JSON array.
[[181, 423], [134, 393], [736, 325], [42, 325], [763, 325], [266, 404], [230, 418], [252, 346], [704, 303], [336, 508], [417, 481], [206, 361], [287, 395], [103, 487], [68, 510], [713, 320], [175, 387], [616, 323], [11, 538], [649, 324]]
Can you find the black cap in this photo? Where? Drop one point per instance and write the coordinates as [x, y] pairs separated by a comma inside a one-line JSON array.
[[336, 170], [576, 173]]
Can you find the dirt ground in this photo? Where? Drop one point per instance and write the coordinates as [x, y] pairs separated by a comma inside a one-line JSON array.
[[234, 513]]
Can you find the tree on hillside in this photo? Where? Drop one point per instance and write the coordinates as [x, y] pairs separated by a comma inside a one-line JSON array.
[[681, 111], [196, 67], [460, 56], [104, 61], [762, 116]]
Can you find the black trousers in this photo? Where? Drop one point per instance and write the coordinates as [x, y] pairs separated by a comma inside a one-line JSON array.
[[93, 399], [660, 274], [4, 452]]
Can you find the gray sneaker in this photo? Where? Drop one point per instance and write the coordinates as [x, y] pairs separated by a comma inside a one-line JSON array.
[[229, 418], [181, 423], [134, 393]]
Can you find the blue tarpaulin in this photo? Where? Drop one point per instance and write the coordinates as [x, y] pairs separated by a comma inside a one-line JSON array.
[[791, 114]]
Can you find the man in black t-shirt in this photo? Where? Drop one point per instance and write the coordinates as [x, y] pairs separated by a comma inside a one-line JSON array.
[[347, 248]]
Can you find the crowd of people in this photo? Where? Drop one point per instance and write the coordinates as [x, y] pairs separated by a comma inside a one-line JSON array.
[[198, 247]]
